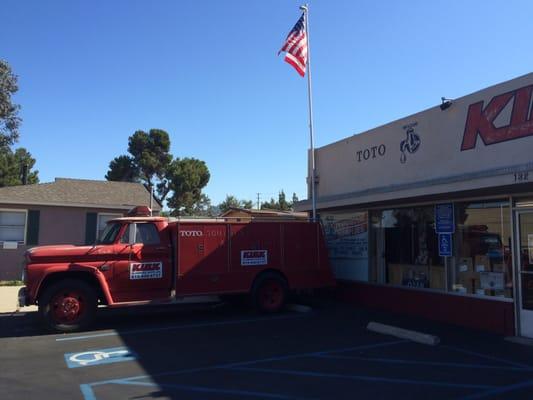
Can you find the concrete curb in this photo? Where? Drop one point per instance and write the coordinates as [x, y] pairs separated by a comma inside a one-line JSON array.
[[401, 333], [519, 340], [298, 308]]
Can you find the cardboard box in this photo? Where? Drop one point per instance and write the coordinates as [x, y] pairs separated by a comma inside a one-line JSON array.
[[482, 264], [498, 267], [467, 280], [437, 277], [459, 289], [464, 264], [395, 274]]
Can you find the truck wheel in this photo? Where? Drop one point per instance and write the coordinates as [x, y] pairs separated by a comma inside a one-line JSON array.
[[269, 293], [68, 305]]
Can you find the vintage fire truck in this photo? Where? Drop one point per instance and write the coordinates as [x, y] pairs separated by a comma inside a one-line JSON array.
[[154, 260]]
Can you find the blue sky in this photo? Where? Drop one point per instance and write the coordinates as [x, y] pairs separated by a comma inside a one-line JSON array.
[[93, 72]]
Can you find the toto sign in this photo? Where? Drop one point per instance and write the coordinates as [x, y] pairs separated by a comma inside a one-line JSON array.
[[191, 233], [480, 120]]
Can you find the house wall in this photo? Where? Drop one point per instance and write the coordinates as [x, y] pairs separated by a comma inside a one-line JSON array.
[[57, 225]]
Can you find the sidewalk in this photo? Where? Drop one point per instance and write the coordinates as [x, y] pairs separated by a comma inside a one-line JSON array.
[[9, 300]]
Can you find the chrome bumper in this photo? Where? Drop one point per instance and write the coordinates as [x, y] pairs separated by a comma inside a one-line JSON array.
[[23, 297]]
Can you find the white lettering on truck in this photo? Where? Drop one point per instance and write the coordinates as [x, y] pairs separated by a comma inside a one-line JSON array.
[[191, 233]]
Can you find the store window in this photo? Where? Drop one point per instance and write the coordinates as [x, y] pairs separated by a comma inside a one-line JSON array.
[[12, 226], [483, 265], [405, 248], [347, 241]]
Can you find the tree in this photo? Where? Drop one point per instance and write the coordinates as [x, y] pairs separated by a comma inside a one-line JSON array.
[[247, 204], [186, 178], [294, 199], [204, 208], [124, 169], [270, 205], [229, 202], [9, 120], [233, 202], [12, 165], [148, 162], [282, 204]]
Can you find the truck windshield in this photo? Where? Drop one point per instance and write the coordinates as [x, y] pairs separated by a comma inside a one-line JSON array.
[[109, 234]]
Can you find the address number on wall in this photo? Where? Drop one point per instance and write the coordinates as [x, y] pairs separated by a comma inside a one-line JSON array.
[[521, 176]]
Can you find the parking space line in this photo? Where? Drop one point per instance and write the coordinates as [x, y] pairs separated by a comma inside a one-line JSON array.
[[178, 327], [429, 363], [363, 378], [203, 389], [88, 394], [487, 357], [499, 390]]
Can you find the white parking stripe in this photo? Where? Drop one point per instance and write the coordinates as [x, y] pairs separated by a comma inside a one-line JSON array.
[[176, 327]]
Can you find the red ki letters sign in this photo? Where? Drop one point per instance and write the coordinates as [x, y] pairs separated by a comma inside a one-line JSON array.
[[480, 121]]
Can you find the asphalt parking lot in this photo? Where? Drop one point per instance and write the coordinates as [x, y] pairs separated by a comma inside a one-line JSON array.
[[223, 352]]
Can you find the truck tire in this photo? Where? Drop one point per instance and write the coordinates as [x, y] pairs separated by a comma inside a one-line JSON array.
[[68, 305], [269, 293]]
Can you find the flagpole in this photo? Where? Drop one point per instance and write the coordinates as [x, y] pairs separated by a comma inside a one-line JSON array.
[[305, 9]]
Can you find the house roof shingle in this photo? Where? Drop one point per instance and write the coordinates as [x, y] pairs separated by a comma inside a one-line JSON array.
[[79, 193]]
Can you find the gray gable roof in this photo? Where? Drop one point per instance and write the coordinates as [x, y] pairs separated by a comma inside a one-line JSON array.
[[80, 193]]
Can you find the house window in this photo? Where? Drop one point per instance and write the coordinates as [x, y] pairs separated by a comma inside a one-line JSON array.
[[102, 222], [12, 226]]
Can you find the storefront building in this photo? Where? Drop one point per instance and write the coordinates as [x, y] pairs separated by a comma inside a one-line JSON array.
[[432, 215]]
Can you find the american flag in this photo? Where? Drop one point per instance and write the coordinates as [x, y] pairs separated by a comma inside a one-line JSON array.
[[295, 47]]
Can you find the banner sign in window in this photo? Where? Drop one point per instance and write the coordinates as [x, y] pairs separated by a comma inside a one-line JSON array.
[[444, 218], [254, 257], [150, 270], [445, 244], [347, 242]]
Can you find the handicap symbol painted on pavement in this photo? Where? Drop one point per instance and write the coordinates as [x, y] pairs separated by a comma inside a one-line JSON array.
[[98, 357]]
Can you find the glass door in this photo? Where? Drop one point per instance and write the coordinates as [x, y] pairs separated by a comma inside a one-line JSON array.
[[525, 272]]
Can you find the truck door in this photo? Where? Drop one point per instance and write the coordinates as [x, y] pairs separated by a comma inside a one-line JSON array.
[[146, 274]]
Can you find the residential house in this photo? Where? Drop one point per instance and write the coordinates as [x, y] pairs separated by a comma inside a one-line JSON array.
[[69, 211]]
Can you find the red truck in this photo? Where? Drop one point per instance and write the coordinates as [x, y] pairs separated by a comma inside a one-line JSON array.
[[151, 260]]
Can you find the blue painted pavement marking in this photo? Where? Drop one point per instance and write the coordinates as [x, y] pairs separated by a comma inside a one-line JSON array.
[[361, 377], [98, 357], [487, 357], [499, 390], [88, 394], [203, 389], [429, 363]]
